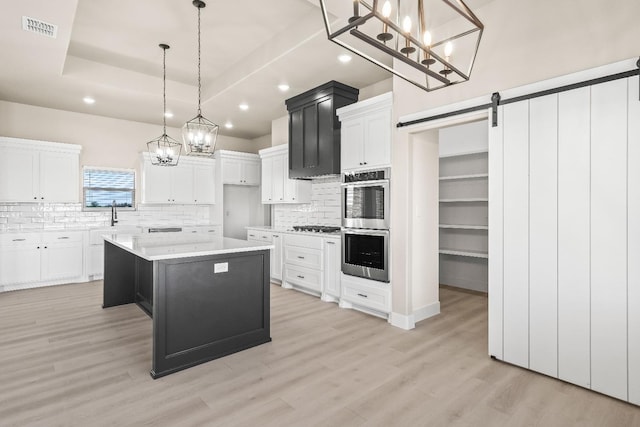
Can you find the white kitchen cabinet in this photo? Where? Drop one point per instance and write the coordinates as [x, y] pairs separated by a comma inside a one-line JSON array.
[[366, 295], [276, 185], [303, 263], [37, 259], [239, 168], [276, 256], [34, 171], [366, 133], [331, 290], [191, 182]]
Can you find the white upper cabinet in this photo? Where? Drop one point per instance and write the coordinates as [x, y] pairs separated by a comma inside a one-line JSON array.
[[366, 133], [239, 168], [35, 171], [191, 182], [276, 185]]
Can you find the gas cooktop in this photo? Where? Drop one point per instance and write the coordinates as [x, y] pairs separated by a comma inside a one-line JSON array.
[[316, 228]]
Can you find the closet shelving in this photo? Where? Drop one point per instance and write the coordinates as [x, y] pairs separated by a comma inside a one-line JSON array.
[[464, 219]]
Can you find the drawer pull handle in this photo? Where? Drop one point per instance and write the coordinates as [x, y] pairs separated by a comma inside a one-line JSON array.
[[212, 231], [300, 277], [63, 237], [275, 236], [363, 295], [19, 240], [331, 243], [252, 235], [264, 237], [301, 257]]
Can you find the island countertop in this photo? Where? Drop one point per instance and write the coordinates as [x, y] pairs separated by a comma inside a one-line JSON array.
[[162, 246]]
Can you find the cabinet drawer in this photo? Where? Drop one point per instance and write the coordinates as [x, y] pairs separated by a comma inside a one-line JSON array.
[[302, 276], [310, 258], [259, 236], [310, 242], [62, 236], [367, 296], [18, 240]]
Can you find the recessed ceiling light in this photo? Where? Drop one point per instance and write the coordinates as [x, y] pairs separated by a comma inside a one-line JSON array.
[[89, 100], [283, 87], [228, 125], [168, 114], [243, 107], [344, 58]]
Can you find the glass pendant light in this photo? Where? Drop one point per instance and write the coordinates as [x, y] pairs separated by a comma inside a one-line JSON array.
[[199, 134], [164, 150]]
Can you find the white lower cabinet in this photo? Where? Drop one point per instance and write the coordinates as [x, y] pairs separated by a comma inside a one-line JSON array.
[[276, 256], [38, 259], [367, 295], [332, 268], [303, 263]]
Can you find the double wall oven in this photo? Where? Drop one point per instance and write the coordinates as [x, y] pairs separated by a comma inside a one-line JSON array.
[[365, 224]]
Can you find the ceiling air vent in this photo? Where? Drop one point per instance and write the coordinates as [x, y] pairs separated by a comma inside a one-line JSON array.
[[39, 27]]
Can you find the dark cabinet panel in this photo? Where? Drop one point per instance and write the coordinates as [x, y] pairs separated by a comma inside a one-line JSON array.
[[314, 129]]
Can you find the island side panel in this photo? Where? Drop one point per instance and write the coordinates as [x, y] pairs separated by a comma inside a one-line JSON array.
[[208, 307], [119, 276], [144, 285]]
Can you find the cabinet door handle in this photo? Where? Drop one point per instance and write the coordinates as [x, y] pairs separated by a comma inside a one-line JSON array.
[[365, 163], [41, 198], [300, 277], [301, 257], [363, 295], [212, 231], [331, 243], [62, 238], [252, 235], [37, 247], [19, 240], [275, 236], [264, 237], [35, 198], [360, 163], [45, 247]]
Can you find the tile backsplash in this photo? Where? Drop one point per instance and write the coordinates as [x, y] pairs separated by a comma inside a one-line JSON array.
[[324, 208], [52, 216]]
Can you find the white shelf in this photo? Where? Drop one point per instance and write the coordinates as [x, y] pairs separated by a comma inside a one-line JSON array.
[[465, 227], [460, 177], [472, 254], [466, 153], [463, 200]]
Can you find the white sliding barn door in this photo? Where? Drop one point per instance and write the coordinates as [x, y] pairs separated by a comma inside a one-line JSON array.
[[543, 235], [634, 240], [516, 233], [573, 236], [496, 235], [609, 238]]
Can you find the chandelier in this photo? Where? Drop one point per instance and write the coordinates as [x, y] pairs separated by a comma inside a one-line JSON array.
[[164, 150], [199, 134], [431, 47]]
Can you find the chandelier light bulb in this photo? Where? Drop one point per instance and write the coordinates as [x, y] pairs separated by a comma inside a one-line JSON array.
[[427, 39], [406, 24], [386, 9], [448, 50]]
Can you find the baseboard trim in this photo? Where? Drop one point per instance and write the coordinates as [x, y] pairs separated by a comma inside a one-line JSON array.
[[427, 311], [403, 321]]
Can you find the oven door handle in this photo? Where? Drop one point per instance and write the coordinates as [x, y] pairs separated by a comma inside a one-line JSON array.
[[381, 182], [365, 232]]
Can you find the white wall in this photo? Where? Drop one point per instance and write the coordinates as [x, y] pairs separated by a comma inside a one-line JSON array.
[[523, 42], [463, 138]]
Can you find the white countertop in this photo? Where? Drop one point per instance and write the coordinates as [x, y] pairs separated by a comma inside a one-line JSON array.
[[272, 229], [159, 246]]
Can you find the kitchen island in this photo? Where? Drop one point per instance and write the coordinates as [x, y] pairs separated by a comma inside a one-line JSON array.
[[208, 296]]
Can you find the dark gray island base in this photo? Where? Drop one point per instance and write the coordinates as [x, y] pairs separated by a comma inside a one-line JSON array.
[[203, 307]]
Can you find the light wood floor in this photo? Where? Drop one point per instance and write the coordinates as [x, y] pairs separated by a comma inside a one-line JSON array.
[[66, 361]]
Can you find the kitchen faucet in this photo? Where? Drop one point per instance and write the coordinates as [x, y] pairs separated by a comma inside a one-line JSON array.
[[114, 214]]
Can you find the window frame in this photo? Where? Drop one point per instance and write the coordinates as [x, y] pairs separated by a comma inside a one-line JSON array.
[[106, 208]]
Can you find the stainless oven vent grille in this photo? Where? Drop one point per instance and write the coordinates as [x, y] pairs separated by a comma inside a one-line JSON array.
[[39, 27]]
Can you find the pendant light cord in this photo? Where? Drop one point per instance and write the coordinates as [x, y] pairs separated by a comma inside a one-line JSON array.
[[164, 91], [199, 84]]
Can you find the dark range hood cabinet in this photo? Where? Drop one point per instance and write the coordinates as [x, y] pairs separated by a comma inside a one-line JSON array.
[[314, 129]]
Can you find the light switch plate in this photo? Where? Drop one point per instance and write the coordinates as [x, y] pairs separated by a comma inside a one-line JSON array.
[[221, 267]]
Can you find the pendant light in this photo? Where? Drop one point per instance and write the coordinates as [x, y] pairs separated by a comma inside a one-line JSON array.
[[199, 134], [164, 150]]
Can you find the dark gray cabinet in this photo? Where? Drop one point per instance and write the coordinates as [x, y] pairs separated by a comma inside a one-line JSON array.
[[314, 129]]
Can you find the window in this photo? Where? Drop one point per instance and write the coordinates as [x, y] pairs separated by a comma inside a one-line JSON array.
[[104, 186]]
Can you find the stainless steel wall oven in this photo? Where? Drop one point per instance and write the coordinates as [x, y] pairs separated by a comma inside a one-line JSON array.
[[365, 253]]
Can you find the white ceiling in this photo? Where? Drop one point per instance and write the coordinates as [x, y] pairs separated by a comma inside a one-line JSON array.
[[109, 50]]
